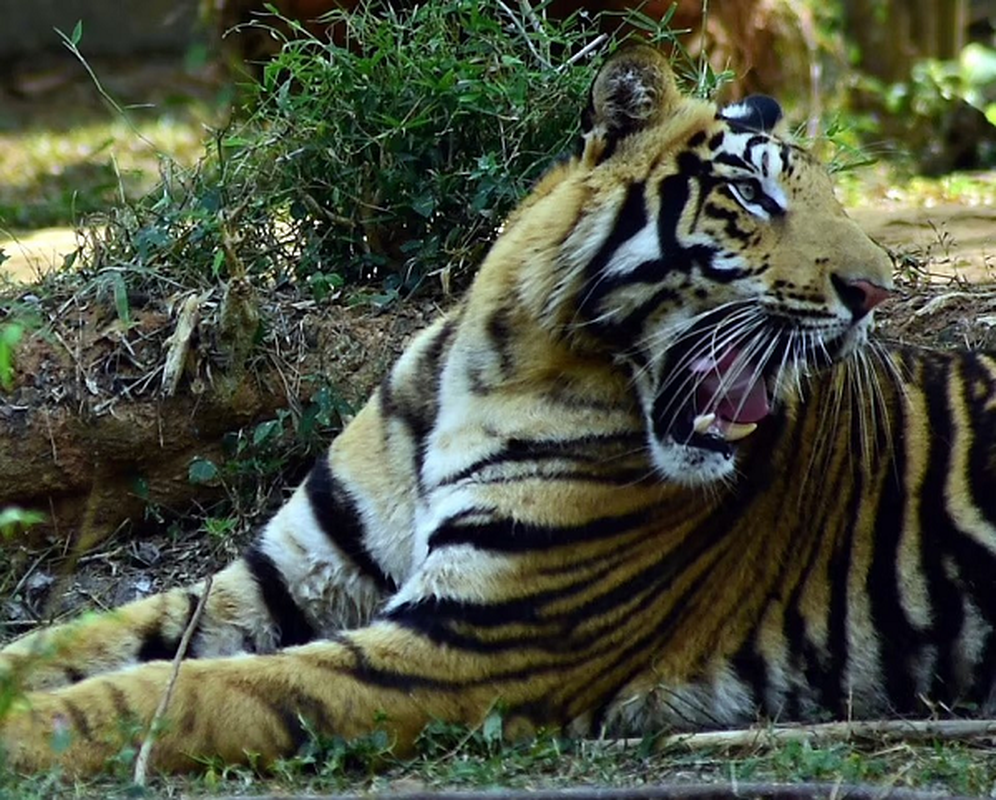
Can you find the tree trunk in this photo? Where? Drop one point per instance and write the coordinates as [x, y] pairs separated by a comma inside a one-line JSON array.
[[892, 35]]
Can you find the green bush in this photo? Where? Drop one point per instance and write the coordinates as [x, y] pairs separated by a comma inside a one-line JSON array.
[[397, 154], [377, 163]]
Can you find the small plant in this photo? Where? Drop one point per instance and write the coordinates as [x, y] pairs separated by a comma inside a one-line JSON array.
[[10, 336], [14, 520], [220, 527], [333, 758], [402, 149], [258, 459], [398, 153], [379, 165]]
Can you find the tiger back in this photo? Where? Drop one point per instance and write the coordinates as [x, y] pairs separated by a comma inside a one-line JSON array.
[[650, 472]]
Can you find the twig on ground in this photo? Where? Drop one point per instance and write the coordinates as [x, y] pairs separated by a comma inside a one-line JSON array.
[[142, 762], [908, 730], [178, 342], [672, 791]]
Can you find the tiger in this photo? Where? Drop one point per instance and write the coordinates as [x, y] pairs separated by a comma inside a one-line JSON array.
[[654, 471]]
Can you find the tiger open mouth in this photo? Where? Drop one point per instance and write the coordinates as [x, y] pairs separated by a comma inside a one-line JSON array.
[[720, 384], [715, 398], [730, 397]]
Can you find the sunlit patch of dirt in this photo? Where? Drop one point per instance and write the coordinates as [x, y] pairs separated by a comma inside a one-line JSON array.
[[945, 273], [954, 241]]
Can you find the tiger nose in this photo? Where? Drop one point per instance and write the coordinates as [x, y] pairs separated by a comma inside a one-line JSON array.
[[859, 295]]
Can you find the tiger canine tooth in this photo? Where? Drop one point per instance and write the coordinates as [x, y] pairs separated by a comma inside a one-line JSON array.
[[735, 431], [703, 422]]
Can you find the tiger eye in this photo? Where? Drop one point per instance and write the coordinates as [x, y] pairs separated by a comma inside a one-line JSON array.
[[747, 190]]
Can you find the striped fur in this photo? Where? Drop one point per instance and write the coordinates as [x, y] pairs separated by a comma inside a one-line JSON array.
[[649, 472]]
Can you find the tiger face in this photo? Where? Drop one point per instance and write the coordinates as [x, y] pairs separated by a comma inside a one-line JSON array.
[[715, 262]]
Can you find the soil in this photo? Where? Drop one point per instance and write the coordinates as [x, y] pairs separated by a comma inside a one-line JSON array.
[[94, 441]]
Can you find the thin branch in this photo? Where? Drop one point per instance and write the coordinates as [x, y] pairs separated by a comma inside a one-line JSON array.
[[142, 762], [908, 730], [595, 43], [672, 791], [544, 62], [71, 44]]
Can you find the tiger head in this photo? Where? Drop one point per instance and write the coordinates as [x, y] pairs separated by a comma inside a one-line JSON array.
[[704, 252]]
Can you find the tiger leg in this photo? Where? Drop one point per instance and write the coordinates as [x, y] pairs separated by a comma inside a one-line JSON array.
[[257, 706], [292, 586]]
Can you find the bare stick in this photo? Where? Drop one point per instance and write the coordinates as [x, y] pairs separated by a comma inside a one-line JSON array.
[[908, 730], [672, 791], [595, 43], [142, 762], [179, 342], [513, 17]]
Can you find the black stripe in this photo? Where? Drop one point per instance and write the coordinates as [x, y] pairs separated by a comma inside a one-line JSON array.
[[975, 563], [453, 621], [500, 327], [900, 642], [73, 675], [417, 407], [78, 717], [300, 713], [838, 519], [561, 656], [596, 450], [947, 614], [732, 160], [340, 521], [123, 712], [156, 647], [801, 557], [292, 625], [982, 457], [625, 478], [730, 217], [631, 219], [834, 695], [752, 669], [696, 140], [508, 536], [619, 665]]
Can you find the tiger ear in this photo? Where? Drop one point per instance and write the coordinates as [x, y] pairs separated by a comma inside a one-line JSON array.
[[633, 90], [757, 111]]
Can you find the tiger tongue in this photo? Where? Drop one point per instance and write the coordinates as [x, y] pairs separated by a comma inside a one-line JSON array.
[[741, 398]]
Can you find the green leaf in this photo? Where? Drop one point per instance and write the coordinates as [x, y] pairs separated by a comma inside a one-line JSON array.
[[121, 298], [77, 34], [648, 745], [10, 335], [265, 430], [236, 141], [424, 205], [201, 471], [140, 488], [13, 518], [492, 727], [62, 737]]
